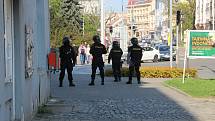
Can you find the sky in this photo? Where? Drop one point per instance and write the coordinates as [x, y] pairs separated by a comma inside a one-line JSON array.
[[114, 5]]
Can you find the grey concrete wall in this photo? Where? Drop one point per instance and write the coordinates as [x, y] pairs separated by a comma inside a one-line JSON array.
[[36, 90], [5, 88], [29, 93]]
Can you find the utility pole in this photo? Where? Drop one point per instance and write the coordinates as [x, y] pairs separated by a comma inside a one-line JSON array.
[[122, 42], [181, 31], [102, 21], [132, 18], [178, 21], [213, 12], [170, 22], [83, 25]]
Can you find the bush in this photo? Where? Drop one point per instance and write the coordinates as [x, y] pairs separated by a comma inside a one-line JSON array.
[[157, 72]]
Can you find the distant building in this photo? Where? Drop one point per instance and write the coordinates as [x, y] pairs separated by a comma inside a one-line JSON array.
[[204, 16], [142, 15], [118, 22], [91, 6], [24, 45], [161, 20]]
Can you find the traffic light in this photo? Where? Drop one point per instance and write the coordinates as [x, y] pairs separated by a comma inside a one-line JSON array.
[[111, 29], [178, 17], [81, 24]]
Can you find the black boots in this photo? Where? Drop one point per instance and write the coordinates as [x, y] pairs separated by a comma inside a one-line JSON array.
[[102, 82], [129, 82], [61, 84], [117, 79], [92, 83], [71, 84]]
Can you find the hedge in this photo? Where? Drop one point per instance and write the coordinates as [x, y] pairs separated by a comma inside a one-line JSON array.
[[157, 72]]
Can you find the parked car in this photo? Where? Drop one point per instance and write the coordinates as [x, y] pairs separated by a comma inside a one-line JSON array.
[[164, 52], [149, 54]]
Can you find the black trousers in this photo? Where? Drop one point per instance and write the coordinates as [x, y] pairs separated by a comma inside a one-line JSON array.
[[131, 71], [116, 70], [101, 69], [69, 68]]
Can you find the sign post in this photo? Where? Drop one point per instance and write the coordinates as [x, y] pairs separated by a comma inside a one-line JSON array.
[[200, 44]]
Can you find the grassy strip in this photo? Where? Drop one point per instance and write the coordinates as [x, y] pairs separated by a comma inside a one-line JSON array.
[[194, 87]]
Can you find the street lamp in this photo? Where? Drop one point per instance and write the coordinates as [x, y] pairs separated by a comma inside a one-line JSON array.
[[102, 19], [170, 22]]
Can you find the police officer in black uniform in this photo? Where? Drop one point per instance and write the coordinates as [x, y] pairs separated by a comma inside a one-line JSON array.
[[68, 60], [97, 50], [134, 60], [115, 55]]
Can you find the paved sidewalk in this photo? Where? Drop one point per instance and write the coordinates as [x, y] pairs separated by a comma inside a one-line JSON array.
[[120, 102]]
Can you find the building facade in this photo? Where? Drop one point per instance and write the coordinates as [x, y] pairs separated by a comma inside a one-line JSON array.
[[91, 6], [24, 45], [204, 16], [142, 16], [161, 20], [118, 22]]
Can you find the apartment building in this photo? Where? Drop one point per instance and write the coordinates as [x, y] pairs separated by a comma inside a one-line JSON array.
[[91, 6], [204, 17], [142, 15], [118, 22]]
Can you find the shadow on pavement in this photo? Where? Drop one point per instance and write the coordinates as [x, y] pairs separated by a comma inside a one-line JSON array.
[[113, 102]]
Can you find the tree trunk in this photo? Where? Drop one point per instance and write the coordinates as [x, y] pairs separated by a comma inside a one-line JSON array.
[[194, 18]]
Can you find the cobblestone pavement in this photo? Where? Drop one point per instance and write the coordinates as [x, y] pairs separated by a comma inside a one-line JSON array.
[[150, 101]]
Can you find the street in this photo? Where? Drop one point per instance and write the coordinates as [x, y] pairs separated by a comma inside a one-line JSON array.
[[150, 101], [205, 67]]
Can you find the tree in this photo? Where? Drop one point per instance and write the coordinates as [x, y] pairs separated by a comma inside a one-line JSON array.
[[71, 14], [192, 6], [55, 23], [188, 15], [65, 19]]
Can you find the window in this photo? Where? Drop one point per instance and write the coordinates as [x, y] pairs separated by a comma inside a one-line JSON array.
[[8, 39]]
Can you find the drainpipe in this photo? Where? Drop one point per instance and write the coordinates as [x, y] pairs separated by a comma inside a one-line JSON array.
[[14, 87]]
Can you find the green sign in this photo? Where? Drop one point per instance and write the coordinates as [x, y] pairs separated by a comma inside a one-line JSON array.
[[202, 43]]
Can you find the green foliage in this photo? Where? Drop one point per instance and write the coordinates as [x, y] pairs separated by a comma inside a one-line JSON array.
[[157, 72], [194, 87], [188, 11], [71, 14], [65, 17]]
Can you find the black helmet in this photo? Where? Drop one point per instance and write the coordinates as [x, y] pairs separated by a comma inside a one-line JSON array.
[[66, 41], [134, 41], [96, 39], [115, 44]]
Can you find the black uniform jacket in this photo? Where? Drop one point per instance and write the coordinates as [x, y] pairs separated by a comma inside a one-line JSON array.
[[115, 55], [67, 54], [135, 55], [97, 49]]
